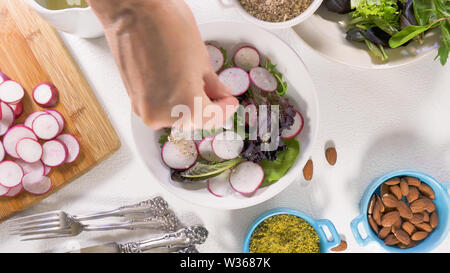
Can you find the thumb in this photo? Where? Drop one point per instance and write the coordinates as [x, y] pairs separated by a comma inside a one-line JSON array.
[[214, 88]]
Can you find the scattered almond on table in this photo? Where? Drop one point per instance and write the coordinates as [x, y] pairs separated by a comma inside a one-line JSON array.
[[341, 247], [308, 170], [331, 155]]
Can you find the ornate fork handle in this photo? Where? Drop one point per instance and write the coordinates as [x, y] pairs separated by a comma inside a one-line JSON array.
[[182, 238], [156, 206]]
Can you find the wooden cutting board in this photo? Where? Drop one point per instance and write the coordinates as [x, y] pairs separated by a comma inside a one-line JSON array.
[[31, 52]]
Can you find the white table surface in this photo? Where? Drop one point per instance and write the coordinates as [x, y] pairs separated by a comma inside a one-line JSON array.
[[378, 120]]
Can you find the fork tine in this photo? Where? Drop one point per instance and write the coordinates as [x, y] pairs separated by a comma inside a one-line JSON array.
[[29, 217], [55, 218], [44, 231], [62, 235], [19, 229]]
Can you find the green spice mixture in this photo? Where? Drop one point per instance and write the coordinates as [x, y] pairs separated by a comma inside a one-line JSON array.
[[284, 233], [275, 10]]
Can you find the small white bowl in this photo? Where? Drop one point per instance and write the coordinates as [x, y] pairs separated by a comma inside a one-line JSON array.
[[301, 92], [272, 25], [81, 22]]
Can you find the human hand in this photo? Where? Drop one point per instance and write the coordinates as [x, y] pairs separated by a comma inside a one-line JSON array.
[[162, 59]]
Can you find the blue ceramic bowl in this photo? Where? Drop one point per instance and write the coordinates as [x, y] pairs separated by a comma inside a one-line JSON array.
[[318, 225], [442, 202]]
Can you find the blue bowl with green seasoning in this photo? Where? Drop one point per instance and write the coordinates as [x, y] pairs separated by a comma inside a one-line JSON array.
[[317, 225], [442, 202]]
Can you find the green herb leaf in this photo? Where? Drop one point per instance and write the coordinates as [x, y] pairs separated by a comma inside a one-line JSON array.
[[406, 35], [282, 85], [275, 170], [164, 137], [228, 63], [424, 12]]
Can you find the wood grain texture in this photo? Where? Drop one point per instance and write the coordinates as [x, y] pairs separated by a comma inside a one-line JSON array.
[[32, 52]]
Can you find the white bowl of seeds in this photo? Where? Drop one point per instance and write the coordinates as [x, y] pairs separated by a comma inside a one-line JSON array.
[[274, 14]]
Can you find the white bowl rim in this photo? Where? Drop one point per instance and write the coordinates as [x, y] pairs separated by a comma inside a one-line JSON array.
[[35, 5]]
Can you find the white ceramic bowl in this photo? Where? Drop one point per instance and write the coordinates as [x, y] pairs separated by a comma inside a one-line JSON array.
[[81, 22], [325, 32], [271, 25], [301, 92]]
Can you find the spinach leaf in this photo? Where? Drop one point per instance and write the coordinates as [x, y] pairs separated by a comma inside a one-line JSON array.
[[407, 34], [275, 170], [202, 170]]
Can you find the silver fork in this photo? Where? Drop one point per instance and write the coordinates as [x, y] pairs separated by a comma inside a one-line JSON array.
[[67, 226]]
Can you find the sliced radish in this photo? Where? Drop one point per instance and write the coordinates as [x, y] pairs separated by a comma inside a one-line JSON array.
[[36, 184], [46, 126], [47, 169], [29, 120], [263, 79], [180, 155], [227, 145], [216, 57], [3, 190], [73, 146], [7, 118], [17, 109], [59, 117], [54, 153], [46, 94], [2, 152], [247, 57], [11, 92], [36, 167], [246, 177], [3, 78], [237, 79], [295, 129], [13, 136], [11, 174], [15, 191], [220, 185], [206, 151], [29, 150]]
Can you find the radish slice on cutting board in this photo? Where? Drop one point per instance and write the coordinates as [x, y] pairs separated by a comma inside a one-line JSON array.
[[180, 155], [206, 151], [227, 145], [295, 129], [29, 150], [13, 136], [246, 177], [11, 174], [263, 79], [11, 92], [46, 94], [3, 190], [220, 185], [247, 57], [36, 167], [54, 153], [73, 146], [237, 79], [59, 117], [29, 120], [17, 109], [15, 191], [46, 126], [47, 169], [7, 118], [37, 185], [216, 57]]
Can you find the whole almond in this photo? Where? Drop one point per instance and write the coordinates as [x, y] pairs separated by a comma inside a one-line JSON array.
[[422, 204], [426, 190], [401, 235], [417, 218], [371, 204], [411, 244], [308, 170], [398, 223], [341, 247], [391, 240], [395, 190], [390, 218], [413, 181], [426, 216], [434, 219], [419, 235], [384, 189], [408, 227], [404, 187], [384, 232], [413, 194], [389, 200], [393, 181], [380, 203], [331, 155], [372, 224], [404, 210], [424, 226]]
